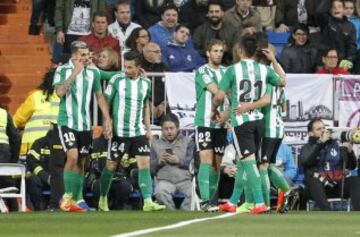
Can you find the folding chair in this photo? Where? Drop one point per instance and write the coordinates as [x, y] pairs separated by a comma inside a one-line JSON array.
[[11, 169]]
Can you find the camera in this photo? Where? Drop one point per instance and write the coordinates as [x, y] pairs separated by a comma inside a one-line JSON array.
[[345, 134]]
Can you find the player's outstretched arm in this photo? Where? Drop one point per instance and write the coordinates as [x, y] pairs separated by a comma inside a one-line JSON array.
[[105, 112], [246, 107]]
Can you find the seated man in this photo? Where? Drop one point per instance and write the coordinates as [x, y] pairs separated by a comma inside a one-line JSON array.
[[171, 155], [37, 162], [325, 163], [123, 182]]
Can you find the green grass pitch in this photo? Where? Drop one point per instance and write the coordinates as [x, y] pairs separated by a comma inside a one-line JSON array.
[[93, 224]]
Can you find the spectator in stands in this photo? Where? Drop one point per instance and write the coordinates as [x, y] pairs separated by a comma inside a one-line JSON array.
[[325, 163], [162, 31], [149, 11], [192, 13], [99, 38], [171, 155], [215, 28], [151, 62], [37, 162], [299, 56], [337, 32], [179, 54], [73, 20], [37, 113], [9, 148], [330, 61], [241, 14], [352, 15], [38, 13], [137, 40], [123, 26], [108, 60], [290, 13]]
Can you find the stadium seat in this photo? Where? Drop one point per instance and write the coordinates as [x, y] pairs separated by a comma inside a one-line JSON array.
[[11, 169], [279, 40]]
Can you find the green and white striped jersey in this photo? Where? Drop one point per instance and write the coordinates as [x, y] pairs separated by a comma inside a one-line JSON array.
[[274, 125], [74, 108], [127, 98], [204, 76], [248, 82]]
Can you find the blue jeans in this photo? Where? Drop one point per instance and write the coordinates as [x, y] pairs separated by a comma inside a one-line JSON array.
[[38, 7]]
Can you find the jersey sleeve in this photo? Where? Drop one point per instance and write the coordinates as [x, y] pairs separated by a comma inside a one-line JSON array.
[[58, 79], [202, 79], [272, 77], [110, 90], [268, 89], [149, 91], [227, 80], [97, 83], [106, 75]]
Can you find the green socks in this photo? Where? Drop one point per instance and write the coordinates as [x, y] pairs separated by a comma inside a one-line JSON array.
[[213, 182], [265, 186], [278, 179], [253, 180], [239, 185], [145, 183], [203, 179], [105, 181], [69, 181]]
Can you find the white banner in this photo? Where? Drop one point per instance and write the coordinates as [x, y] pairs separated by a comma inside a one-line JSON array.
[[349, 102], [307, 97], [180, 90]]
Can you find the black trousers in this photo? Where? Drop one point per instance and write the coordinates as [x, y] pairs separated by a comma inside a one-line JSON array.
[[319, 193], [56, 170], [118, 195], [34, 187]]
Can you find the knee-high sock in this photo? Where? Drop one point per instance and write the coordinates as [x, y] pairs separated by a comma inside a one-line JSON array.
[[203, 179], [105, 181], [240, 181], [69, 180], [145, 183], [77, 188], [265, 185], [278, 179], [253, 180], [213, 182]]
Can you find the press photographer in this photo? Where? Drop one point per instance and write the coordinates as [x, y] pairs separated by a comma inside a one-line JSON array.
[[326, 164]]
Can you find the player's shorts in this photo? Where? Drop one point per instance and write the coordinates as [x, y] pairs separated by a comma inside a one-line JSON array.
[[247, 137], [133, 146], [72, 139], [269, 149], [210, 139]]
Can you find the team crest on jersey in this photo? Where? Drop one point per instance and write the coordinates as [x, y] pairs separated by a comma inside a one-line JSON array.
[[207, 79]]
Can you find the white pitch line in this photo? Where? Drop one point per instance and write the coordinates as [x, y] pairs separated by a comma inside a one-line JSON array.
[[173, 226]]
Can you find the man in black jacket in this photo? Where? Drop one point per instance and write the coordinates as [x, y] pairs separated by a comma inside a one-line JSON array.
[[151, 62], [325, 164], [216, 28]]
